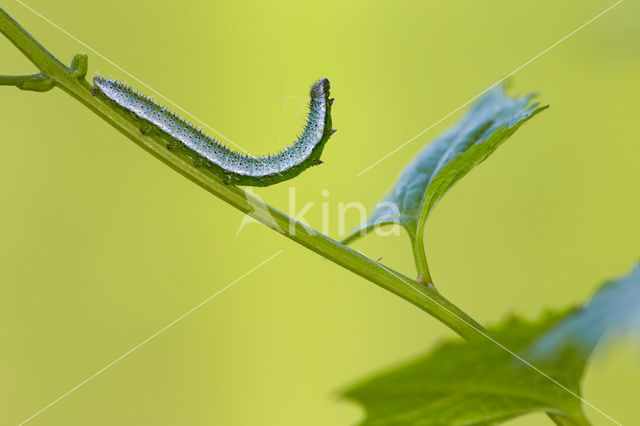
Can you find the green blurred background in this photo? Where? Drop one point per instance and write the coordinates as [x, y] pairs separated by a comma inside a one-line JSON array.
[[102, 245]]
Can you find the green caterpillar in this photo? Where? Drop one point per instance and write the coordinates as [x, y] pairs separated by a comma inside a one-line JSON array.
[[233, 167]]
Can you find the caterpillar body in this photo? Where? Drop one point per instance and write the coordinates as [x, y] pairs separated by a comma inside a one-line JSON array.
[[232, 166]]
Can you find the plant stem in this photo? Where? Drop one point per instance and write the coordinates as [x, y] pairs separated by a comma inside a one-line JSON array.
[[37, 82], [417, 245], [72, 80]]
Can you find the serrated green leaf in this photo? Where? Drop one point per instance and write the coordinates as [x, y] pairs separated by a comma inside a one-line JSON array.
[[442, 163], [479, 382], [474, 383]]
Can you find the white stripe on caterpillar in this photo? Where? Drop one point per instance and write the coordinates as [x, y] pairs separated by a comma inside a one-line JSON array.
[[236, 167]]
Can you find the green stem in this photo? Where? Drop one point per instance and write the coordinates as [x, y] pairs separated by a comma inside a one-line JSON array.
[[71, 80], [37, 82], [417, 245]]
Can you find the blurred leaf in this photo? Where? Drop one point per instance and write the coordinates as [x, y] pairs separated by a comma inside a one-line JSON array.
[[442, 163], [479, 382], [613, 310]]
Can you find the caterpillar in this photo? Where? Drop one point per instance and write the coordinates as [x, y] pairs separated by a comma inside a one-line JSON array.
[[233, 167]]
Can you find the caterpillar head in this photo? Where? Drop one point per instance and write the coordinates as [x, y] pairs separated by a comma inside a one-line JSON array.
[[320, 88]]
